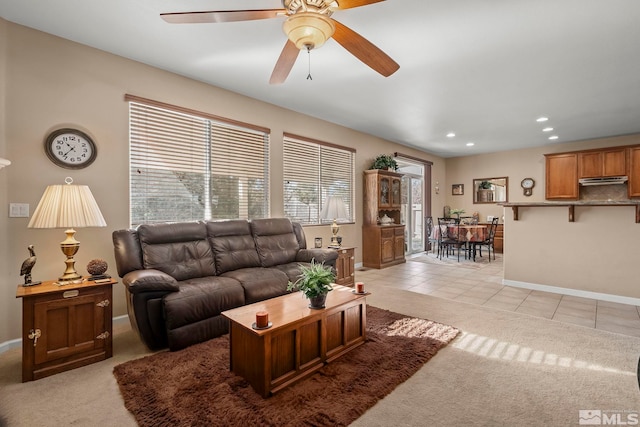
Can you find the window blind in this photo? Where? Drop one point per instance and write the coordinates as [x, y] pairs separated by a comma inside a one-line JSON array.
[[185, 167], [312, 172]]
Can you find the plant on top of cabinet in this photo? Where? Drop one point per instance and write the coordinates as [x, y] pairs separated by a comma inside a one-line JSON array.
[[385, 162]]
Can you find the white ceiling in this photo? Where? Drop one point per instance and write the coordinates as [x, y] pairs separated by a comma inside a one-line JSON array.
[[484, 69]]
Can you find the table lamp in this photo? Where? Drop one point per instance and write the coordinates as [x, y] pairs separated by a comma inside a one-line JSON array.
[[334, 208], [67, 206]]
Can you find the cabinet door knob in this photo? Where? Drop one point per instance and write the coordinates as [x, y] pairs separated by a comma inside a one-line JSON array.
[[34, 334]]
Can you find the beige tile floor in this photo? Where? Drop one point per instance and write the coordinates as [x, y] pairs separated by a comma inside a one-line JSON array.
[[482, 284]]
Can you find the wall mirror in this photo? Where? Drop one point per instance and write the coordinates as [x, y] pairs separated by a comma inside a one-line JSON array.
[[491, 190]]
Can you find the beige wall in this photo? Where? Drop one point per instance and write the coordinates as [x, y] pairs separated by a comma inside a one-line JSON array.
[[596, 253], [51, 82]]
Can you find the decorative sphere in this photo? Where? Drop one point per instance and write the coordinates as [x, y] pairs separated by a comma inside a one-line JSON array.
[[97, 267]]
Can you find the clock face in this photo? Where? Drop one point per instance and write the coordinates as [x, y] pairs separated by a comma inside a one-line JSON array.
[[527, 183], [70, 148]]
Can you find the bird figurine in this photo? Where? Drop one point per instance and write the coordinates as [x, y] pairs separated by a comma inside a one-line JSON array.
[[27, 266]]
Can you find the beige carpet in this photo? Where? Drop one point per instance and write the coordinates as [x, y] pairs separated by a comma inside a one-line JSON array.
[[504, 369]]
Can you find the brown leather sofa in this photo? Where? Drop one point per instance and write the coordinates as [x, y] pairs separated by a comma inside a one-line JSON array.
[[179, 277]]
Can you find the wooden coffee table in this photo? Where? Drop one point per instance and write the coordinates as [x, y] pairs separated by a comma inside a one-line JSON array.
[[299, 342]]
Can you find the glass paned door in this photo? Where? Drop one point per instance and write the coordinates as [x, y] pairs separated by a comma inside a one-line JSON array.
[[412, 209]]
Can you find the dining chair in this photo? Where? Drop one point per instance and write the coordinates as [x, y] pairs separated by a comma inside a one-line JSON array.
[[432, 237], [448, 236], [488, 242]]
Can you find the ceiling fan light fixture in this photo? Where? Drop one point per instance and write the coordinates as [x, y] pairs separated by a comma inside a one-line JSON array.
[[308, 30]]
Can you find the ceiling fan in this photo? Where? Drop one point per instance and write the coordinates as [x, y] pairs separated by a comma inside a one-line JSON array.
[[308, 25]]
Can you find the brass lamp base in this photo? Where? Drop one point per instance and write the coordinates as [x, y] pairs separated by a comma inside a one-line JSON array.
[[335, 228], [70, 247]]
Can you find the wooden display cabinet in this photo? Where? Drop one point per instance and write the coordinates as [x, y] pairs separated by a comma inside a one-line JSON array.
[[345, 266], [64, 326], [383, 245]]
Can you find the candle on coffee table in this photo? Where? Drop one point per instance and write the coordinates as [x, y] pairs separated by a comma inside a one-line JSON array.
[[262, 319], [360, 287]]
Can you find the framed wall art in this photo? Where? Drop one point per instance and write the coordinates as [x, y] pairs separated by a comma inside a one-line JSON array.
[[457, 189]]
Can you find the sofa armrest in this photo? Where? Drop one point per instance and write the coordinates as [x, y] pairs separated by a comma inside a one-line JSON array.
[[326, 256], [149, 281]]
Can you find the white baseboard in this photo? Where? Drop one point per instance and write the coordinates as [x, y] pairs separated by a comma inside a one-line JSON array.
[[8, 345], [573, 292]]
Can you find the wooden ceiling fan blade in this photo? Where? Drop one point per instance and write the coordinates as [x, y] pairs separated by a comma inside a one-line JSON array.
[[364, 50], [348, 4], [285, 63], [220, 16]]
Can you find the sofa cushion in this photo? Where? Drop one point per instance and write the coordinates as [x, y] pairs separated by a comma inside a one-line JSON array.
[[233, 245], [260, 283], [181, 250], [275, 241], [292, 269], [200, 299]]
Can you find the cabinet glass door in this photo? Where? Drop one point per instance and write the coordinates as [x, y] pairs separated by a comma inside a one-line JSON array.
[[385, 192]]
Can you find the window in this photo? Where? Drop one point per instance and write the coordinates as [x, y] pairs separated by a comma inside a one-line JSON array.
[[188, 166], [314, 170]]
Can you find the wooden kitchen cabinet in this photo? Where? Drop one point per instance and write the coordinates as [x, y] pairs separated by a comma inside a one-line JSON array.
[[345, 266], [602, 163], [64, 327], [633, 185], [561, 178]]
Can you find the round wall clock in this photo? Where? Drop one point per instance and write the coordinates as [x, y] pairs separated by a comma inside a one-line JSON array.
[[70, 148], [527, 185]]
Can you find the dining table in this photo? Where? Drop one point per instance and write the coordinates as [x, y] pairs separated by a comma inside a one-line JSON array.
[[468, 234]]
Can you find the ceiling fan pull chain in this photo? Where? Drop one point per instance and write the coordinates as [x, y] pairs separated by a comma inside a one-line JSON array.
[[309, 57]]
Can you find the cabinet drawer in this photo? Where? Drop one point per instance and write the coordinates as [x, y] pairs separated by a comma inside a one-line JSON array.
[[386, 232], [399, 231]]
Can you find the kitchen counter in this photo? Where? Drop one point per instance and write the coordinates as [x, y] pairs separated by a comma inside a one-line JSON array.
[[571, 205]]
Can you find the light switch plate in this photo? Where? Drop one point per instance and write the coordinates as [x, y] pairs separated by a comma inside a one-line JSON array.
[[18, 210]]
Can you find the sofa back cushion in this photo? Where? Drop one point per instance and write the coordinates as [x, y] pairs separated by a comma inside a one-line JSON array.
[[233, 245], [181, 249], [275, 240]]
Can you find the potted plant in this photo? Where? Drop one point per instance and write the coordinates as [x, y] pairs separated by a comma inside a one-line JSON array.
[[385, 162], [457, 212], [314, 282]]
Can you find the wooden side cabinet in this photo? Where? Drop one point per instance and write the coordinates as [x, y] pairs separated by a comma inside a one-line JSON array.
[[64, 327], [345, 267]]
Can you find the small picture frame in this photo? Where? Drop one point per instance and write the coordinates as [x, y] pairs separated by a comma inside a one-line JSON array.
[[457, 189], [318, 242]]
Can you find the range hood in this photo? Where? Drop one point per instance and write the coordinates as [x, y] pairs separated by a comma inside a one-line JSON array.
[[603, 181]]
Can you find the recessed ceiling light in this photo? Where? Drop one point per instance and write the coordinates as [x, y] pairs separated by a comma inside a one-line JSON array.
[[553, 137], [542, 119], [451, 135], [470, 144], [547, 129]]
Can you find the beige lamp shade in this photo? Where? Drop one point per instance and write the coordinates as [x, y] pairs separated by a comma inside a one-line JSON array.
[[67, 206], [334, 208]]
